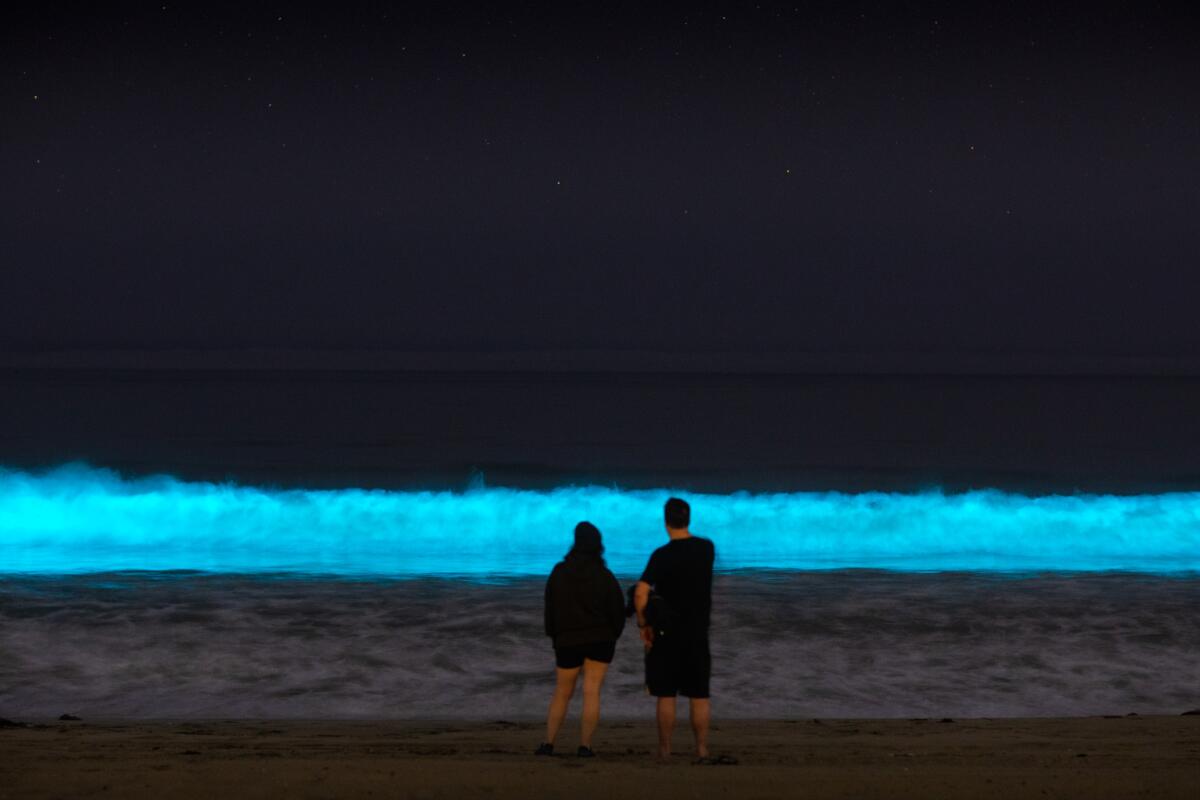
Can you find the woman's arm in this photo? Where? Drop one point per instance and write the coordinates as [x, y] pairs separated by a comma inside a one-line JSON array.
[[616, 605], [549, 605]]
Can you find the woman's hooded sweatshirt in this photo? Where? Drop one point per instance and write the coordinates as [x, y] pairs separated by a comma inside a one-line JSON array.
[[584, 602]]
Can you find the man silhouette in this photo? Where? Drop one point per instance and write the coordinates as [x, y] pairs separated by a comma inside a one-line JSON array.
[[675, 632]]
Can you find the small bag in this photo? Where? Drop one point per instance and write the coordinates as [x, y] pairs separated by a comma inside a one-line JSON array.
[[659, 614]]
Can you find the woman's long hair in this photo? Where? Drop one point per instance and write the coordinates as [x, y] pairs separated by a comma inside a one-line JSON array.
[[588, 545]]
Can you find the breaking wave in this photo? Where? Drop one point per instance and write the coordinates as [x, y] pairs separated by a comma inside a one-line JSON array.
[[81, 519]]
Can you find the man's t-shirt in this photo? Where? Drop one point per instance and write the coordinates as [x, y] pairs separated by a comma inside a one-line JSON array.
[[681, 573]]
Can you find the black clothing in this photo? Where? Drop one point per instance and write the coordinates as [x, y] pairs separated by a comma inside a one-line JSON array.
[[584, 603], [680, 572], [678, 665], [680, 575], [572, 656]]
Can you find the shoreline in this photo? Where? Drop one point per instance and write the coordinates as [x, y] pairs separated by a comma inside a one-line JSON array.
[[1093, 757]]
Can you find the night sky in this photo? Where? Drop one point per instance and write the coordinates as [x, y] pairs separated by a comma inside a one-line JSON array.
[[859, 178]]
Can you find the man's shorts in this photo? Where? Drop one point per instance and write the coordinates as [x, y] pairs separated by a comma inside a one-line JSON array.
[[678, 666], [572, 657]]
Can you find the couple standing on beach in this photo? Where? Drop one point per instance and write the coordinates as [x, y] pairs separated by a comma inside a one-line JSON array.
[[585, 615]]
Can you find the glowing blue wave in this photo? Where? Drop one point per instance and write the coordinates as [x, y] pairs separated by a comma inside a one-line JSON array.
[[77, 519]]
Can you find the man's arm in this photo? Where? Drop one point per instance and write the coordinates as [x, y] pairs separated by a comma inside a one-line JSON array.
[[641, 596]]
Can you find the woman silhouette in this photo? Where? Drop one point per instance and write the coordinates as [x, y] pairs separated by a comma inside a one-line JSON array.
[[585, 614]]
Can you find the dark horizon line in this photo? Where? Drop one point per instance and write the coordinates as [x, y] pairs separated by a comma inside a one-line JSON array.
[[598, 360]]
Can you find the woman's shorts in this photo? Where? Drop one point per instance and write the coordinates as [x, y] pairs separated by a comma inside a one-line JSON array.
[[572, 657]]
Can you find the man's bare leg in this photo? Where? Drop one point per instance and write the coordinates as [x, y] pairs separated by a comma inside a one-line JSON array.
[[666, 725], [559, 702], [593, 679], [700, 711]]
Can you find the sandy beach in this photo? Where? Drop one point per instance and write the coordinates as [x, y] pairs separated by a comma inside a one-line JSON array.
[[1099, 757]]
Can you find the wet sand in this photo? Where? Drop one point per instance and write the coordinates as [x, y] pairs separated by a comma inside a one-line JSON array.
[[1099, 757]]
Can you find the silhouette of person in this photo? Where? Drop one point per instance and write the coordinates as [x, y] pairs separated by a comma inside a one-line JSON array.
[[674, 623], [585, 614]]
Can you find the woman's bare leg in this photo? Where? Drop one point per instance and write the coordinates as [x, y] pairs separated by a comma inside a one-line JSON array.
[[563, 690], [593, 679]]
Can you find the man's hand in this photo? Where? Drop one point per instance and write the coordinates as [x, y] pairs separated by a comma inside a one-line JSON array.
[[647, 632]]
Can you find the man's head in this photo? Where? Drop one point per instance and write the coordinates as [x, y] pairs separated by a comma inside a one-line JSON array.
[[677, 514]]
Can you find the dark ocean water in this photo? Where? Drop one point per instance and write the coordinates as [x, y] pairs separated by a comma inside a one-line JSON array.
[[124, 597], [700, 432], [791, 645]]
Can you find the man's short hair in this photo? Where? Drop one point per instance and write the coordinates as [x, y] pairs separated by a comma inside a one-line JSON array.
[[677, 513]]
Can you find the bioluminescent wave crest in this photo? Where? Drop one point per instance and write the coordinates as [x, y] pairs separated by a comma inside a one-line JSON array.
[[80, 519]]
